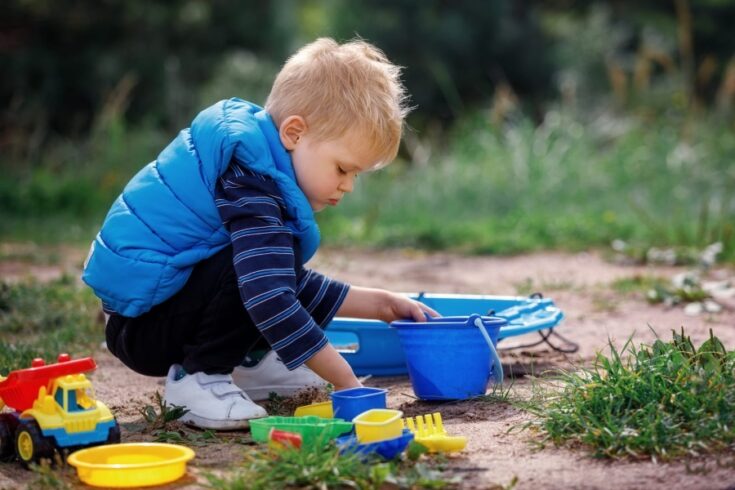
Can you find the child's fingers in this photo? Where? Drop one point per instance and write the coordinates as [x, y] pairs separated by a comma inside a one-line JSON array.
[[417, 313], [432, 312], [420, 310]]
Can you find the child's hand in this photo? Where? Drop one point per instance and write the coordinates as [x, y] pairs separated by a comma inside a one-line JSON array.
[[380, 304], [399, 307], [331, 366]]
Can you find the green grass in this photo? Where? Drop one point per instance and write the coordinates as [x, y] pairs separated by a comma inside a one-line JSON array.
[[662, 401], [63, 194], [45, 319], [187, 437], [30, 254], [659, 290], [575, 181], [689, 255], [636, 284], [49, 230], [687, 290], [291, 468], [47, 477], [158, 416]]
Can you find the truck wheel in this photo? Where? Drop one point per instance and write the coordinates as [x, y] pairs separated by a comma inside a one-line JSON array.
[[113, 437], [30, 444], [8, 424]]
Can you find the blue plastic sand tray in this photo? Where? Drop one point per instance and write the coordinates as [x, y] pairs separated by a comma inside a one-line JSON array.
[[372, 347]]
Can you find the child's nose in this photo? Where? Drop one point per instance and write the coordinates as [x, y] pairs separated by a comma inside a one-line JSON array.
[[347, 184]]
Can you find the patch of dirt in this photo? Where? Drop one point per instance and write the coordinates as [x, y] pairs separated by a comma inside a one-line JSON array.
[[22, 260], [498, 450], [287, 406]]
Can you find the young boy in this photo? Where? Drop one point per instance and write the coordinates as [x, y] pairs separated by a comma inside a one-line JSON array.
[[199, 262]]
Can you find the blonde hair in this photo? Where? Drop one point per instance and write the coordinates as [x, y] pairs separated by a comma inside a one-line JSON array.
[[340, 87]]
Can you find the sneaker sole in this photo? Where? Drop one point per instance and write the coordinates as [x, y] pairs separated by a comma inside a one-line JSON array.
[[205, 423]]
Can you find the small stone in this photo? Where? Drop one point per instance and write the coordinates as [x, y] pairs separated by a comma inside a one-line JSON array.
[[720, 289], [693, 309], [711, 306]]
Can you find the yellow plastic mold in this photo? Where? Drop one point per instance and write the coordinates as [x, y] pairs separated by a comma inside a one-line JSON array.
[[378, 424], [321, 409], [428, 430], [131, 465]]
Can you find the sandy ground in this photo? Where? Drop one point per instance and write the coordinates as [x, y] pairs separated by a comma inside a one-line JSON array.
[[578, 283]]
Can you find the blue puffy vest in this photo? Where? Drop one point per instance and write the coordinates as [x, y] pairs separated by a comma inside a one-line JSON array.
[[166, 221]]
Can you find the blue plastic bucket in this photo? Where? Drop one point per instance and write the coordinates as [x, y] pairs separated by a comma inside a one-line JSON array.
[[348, 404], [449, 358]]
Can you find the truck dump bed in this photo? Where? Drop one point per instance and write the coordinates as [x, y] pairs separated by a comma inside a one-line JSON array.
[[20, 389]]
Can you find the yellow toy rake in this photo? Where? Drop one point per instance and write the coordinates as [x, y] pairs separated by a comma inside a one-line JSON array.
[[428, 430]]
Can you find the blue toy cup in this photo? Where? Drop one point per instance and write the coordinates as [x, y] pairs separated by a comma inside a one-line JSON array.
[[449, 358], [348, 404]]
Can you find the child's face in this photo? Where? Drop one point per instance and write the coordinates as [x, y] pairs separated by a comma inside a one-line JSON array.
[[326, 170]]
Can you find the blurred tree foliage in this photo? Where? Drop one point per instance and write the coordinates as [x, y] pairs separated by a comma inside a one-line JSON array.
[[454, 53], [638, 44], [67, 64], [64, 60]]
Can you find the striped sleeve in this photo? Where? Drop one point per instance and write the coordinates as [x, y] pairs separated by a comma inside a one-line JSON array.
[[263, 257], [320, 295]]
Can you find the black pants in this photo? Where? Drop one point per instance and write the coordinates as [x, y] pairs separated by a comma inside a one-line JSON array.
[[203, 327]]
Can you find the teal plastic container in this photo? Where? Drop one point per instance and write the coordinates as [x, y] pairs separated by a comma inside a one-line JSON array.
[[450, 358]]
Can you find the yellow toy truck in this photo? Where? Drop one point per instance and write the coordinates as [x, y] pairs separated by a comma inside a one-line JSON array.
[[53, 410]]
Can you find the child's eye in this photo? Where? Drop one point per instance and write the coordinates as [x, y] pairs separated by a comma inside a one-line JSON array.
[[341, 170]]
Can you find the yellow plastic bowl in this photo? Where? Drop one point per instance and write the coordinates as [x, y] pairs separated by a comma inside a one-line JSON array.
[[378, 424], [131, 465], [322, 409]]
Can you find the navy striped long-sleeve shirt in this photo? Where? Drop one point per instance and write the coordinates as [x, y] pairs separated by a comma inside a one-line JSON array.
[[287, 302]]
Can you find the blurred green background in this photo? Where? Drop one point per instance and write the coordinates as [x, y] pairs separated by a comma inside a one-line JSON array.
[[538, 125]]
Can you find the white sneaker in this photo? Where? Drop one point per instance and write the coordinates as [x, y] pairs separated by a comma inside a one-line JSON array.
[[213, 401], [272, 376]]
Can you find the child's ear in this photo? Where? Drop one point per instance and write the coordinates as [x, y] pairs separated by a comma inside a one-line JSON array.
[[292, 129]]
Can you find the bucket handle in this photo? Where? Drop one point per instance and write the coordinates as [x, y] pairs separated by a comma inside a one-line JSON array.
[[494, 357]]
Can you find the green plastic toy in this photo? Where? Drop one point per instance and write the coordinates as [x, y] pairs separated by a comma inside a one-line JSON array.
[[313, 429]]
